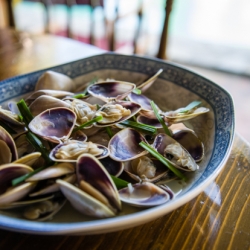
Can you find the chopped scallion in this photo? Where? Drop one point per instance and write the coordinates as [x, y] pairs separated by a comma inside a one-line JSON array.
[[119, 182], [137, 91], [159, 118], [109, 132], [136, 125], [25, 112], [38, 145], [79, 96], [190, 106], [22, 178], [86, 124]]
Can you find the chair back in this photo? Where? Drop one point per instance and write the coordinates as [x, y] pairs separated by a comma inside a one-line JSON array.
[[124, 26]]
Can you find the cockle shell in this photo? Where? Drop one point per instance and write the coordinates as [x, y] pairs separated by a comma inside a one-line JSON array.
[[8, 172], [148, 83], [70, 150], [146, 169], [144, 194], [54, 93], [174, 152], [116, 112], [7, 139], [124, 145], [111, 90], [45, 102], [53, 80], [96, 194], [54, 125], [176, 116]]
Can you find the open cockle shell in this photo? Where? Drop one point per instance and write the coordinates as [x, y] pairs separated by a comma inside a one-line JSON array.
[[148, 83], [116, 112], [23, 146], [7, 139], [144, 194], [124, 145], [45, 102], [83, 110], [55, 81], [54, 171], [174, 152], [8, 172], [142, 100], [146, 169], [191, 142], [66, 172], [10, 118], [44, 210], [51, 186], [176, 116], [149, 121], [54, 93], [5, 153], [94, 173], [84, 202], [96, 194], [114, 168], [111, 90], [54, 125], [29, 159], [70, 150]]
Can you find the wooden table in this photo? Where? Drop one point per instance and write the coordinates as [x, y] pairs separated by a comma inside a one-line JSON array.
[[217, 219]]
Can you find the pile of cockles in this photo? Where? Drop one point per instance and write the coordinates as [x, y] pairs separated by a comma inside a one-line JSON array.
[[96, 146]]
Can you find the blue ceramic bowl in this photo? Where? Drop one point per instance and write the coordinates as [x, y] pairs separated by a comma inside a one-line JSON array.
[[175, 87]]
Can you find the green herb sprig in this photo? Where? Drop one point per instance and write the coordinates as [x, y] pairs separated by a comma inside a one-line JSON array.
[[140, 126], [88, 123], [159, 118]]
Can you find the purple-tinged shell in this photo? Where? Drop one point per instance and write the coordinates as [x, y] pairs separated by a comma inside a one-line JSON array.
[[111, 90], [174, 152], [140, 99], [78, 135], [96, 194], [144, 194], [124, 145], [70, 150], [114, 168], [54, 124], [8, 172], [191, 142], [91, 170], [152, 122]]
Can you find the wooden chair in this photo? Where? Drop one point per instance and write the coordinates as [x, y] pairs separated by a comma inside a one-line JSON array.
[[110, 24]]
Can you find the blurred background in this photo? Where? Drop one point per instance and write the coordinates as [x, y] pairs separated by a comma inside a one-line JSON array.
[[209, 37]]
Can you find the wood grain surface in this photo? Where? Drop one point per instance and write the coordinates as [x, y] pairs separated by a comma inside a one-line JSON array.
[[219, 218]]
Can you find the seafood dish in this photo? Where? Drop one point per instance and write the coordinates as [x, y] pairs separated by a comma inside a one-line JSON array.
[[99, 145]]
